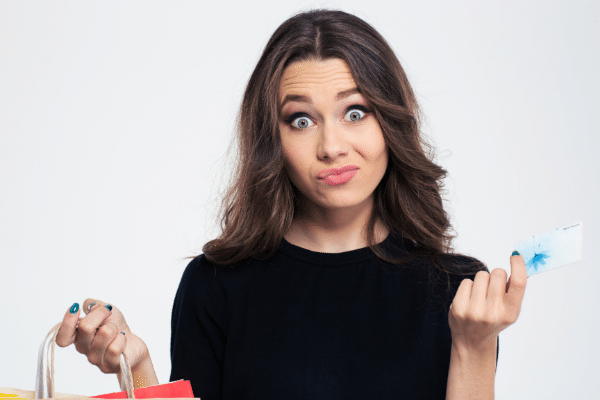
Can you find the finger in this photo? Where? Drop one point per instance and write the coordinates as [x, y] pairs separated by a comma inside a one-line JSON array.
[[463, 294], [518, 281], [88, 326], [480, 287], [107, 332], [497, 287], [66, 333], [112, 357]]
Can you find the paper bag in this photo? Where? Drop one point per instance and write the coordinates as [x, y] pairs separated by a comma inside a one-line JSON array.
[[44, 386]]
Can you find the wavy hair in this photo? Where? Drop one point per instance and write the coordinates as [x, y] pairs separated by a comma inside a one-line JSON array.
[[258, 208]]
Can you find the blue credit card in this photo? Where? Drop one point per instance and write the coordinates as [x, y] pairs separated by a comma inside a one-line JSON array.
[[561, 246]]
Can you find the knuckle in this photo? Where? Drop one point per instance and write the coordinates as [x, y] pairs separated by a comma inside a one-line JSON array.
[[468, 317], [477, 315], [518, 283], [86, 326], [491, 320], [460, 313], [508, 320], [79, 348], [114, 350], [103, 368], [107, 330], [93, 359]]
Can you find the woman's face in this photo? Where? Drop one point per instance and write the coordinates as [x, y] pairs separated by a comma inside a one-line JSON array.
[[325, 123]]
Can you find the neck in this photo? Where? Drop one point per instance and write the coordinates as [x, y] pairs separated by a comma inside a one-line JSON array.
[[333, 230]]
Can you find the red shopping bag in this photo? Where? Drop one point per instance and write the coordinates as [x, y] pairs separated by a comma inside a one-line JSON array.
[[171, 390]]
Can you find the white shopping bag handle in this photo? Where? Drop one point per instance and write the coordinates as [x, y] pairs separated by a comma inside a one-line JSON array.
[[44, 382]]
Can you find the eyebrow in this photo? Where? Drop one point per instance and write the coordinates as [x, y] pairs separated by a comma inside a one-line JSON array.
[[305, 99]]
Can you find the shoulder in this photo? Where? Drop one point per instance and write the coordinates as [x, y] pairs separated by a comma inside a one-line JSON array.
[[196, 279], [202, 266], [204, 278], [426, 260], [198, 269]]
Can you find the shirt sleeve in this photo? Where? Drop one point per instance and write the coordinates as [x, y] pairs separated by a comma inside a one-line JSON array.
[[497, 352], [197, 335]]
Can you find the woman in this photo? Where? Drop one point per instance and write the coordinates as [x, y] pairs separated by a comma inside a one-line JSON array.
[[334, 272]]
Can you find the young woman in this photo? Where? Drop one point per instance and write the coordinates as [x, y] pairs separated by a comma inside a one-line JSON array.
[[334, 272]]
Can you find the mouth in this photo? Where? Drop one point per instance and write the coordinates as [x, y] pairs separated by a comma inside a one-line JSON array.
[[339, 179], [336, 171]]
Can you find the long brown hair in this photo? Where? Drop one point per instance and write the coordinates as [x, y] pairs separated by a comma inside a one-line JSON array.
[[258, 208]]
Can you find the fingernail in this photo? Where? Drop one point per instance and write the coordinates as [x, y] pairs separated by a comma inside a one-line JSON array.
[[515, 253], [74, 308], [109, 307], [123, 332]]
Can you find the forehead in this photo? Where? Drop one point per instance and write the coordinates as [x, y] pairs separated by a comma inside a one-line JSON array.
[[302, 76]]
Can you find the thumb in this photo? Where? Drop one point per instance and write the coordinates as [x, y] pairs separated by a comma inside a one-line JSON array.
[[517, 282]]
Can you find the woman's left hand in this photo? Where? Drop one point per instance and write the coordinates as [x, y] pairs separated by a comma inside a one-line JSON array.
[[481, 309]]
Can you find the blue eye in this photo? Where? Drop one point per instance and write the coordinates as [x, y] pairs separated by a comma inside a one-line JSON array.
[[356, 113], [303, 121]]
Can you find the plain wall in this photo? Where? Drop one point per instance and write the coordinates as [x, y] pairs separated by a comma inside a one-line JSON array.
[[115, 119]]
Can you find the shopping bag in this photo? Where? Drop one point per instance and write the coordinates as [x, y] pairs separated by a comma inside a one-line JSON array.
[[177, 389], [44, 386]]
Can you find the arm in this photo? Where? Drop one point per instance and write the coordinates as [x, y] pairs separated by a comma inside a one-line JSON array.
[[472, 372], [198, 330], [480, 311]]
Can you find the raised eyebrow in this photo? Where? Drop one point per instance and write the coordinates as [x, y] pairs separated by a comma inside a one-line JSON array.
[[305, 99]]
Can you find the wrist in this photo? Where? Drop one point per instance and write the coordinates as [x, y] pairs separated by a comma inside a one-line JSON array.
[[479, 349], [143, 373]]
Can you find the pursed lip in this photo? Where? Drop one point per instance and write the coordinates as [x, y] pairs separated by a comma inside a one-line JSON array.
[[336, 171]]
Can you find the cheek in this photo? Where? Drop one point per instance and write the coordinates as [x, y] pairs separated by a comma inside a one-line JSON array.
[[374, 149], [291, 153], [293, 157]]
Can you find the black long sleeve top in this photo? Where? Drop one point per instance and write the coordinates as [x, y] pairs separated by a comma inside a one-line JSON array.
[[309, 325]]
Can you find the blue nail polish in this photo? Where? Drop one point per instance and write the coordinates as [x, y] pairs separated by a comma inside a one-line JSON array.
[[109, 307], [515, 253], [74, 308], [123, 332]]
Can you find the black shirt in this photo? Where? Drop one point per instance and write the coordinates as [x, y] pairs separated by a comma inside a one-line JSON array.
[[309, 325]]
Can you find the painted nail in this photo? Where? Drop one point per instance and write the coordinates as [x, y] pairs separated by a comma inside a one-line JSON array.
[[515, 253], [123, 332], [109, 307], [74, 308]]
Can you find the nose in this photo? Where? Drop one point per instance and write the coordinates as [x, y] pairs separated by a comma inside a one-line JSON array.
[[332, 142]]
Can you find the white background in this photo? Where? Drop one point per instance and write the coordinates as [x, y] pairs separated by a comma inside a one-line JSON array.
[[115, 118]]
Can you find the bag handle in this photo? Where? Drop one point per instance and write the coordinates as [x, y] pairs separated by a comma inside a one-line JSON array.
[[44, 382]]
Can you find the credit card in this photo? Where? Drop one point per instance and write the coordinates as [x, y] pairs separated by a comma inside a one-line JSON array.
[[559, 247]]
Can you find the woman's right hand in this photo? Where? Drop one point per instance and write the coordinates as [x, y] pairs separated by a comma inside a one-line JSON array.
[[102, 335]]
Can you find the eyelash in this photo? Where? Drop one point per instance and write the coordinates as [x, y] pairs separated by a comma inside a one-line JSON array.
[[297, 115]]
